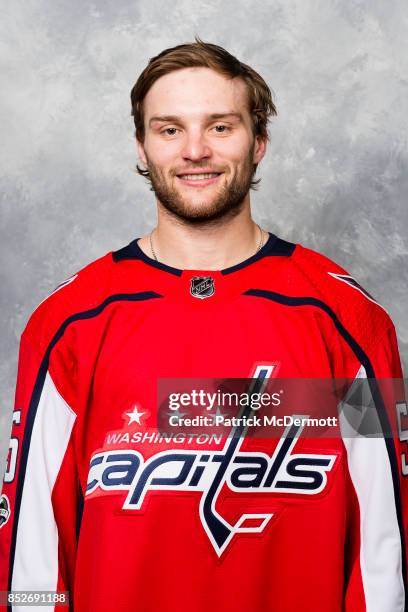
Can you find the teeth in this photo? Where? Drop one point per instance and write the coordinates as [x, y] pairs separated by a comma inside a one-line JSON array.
[[198, 177]]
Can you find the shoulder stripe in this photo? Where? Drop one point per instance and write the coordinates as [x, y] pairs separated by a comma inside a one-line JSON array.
[[349, 280]]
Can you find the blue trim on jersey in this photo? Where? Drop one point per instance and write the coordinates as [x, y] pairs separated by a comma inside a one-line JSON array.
[[375, 391], [32, 410], [133, 251], [35, 398], [80, 510], [274, 246]]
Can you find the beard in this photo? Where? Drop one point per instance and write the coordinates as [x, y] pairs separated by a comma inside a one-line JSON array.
[[226, 202]]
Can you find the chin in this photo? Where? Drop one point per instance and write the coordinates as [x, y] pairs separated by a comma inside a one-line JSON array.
[[193, 207]]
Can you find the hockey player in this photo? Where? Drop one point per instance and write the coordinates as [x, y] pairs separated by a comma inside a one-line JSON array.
[[97, 502]]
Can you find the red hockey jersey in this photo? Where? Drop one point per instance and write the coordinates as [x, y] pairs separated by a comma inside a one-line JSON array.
[[97, 502]]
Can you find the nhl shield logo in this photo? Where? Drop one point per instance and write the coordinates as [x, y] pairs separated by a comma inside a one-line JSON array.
[[202, 286]]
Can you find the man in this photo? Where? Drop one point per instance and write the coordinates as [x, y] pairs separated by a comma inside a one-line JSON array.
[[97, 501]]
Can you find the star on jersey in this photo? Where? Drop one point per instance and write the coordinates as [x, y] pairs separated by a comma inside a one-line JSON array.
[[134, 417], [219, 413], [176, 414]]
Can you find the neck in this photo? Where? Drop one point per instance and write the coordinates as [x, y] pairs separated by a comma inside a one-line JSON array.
[[204, 247]]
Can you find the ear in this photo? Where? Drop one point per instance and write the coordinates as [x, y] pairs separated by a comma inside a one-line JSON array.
[[259, 149], [141, 151]]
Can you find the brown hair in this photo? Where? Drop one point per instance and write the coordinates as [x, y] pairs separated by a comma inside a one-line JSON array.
[[208, 55]]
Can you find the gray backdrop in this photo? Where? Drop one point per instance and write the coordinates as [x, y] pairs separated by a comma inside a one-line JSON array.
[[334, 177]]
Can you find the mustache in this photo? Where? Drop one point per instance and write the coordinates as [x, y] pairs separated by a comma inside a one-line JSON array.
[[202, 167]]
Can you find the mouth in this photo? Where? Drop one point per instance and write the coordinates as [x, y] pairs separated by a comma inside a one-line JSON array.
[[199, 180]]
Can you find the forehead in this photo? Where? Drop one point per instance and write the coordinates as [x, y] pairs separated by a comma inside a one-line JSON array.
[[195, 91]]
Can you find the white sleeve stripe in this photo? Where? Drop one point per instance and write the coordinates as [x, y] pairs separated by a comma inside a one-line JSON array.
[[380, 538], [36, 552]]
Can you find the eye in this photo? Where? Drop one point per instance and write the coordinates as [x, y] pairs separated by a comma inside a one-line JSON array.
[[224, 128], [167, 130]]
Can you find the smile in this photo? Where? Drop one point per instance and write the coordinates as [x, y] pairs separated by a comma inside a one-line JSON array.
[[199, 180]]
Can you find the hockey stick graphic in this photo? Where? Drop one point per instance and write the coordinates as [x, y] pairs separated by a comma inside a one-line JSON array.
[[220, 531]]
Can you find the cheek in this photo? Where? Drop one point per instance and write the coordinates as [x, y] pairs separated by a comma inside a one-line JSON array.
[[235, 151], [161, 154]]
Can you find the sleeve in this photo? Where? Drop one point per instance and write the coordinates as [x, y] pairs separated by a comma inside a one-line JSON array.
[[376, 541], [40, 495]]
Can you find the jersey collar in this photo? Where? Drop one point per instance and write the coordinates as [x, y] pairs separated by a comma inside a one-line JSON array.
[[274, 246]]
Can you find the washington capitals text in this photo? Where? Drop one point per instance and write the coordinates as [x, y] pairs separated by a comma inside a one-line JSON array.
[[283, 472], [208, 471]]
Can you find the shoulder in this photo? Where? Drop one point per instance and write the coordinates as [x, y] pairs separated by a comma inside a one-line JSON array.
[[84, 290], [337, 291], [116, 275]]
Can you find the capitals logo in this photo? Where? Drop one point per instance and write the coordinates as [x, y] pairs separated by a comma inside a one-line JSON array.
[[208, 471]]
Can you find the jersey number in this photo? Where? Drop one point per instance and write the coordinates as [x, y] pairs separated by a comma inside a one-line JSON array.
[[13, 451]]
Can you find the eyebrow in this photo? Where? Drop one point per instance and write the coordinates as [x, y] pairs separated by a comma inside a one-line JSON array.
[[212, 116]]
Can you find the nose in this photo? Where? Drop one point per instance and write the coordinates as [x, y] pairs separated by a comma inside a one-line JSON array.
[[196, 147]]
